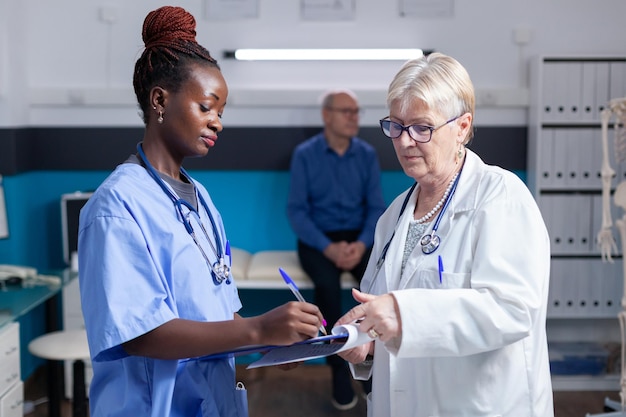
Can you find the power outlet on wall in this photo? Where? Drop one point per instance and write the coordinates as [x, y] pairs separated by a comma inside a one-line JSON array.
[[522, 36], [107, 14]]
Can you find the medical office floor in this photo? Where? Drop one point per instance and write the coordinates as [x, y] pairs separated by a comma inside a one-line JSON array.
[[305, 392]]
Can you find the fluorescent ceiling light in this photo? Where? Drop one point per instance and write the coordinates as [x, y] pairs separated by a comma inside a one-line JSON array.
[[324, 54]]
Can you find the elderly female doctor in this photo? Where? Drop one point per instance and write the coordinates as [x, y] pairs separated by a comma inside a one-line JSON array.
[[455, 292]]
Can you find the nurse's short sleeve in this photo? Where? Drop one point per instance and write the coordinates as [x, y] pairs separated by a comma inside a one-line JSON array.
[[123, 295]]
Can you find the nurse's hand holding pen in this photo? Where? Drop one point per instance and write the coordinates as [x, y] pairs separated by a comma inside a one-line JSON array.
[[378, 316], [289, 323]]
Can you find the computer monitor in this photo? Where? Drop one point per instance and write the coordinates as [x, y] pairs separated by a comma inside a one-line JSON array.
[[71, 204]]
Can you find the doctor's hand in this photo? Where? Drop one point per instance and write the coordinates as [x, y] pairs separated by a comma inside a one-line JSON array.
[[378, 315], [357, 354], [292, 322]]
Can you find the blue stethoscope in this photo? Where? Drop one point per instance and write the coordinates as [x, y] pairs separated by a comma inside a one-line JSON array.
[[220, 270], [429, 242]]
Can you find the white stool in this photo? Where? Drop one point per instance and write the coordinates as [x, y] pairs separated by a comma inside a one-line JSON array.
[[60, 346]]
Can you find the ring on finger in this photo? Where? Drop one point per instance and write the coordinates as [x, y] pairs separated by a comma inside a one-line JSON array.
[[372, 333]]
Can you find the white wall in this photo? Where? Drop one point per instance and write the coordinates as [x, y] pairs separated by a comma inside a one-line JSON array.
[[13, 74], [64, 66]]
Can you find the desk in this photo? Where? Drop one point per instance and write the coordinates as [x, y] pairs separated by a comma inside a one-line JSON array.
[[16, 301]]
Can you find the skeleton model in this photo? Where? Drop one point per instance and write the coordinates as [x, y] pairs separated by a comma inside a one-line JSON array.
[[605, 240]]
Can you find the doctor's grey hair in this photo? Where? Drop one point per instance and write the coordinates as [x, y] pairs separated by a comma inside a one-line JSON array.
[[439, 81]]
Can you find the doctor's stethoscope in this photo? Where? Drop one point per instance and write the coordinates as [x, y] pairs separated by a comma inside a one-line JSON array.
[[429, 242], [220, 270]]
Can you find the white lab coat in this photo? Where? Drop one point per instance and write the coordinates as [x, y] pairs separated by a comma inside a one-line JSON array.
[[474, 344]]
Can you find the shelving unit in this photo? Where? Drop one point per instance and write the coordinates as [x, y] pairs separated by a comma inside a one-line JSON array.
[[564, 160]]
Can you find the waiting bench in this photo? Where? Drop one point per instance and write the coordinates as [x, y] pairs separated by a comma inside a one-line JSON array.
[[260, 270]]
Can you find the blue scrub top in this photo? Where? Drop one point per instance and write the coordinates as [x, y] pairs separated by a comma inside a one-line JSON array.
[[139, 268]]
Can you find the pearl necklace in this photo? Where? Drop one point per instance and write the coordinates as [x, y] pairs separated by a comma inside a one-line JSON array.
[[439, 204]]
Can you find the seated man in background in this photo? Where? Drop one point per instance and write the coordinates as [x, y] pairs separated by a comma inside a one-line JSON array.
[[335, 199]]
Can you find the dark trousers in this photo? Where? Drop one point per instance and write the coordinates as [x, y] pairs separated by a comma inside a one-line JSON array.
[[326, 277]]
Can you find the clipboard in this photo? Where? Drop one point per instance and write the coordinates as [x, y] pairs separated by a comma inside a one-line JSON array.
[[341, 338]]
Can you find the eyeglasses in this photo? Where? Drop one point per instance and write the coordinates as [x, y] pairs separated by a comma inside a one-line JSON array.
[[419, 133], [346, 111]]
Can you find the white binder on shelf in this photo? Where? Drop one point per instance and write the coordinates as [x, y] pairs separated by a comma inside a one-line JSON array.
[[569, 289], [584, 304], [573, 96], [588, 92], [620, 168], [546, 159], [554, 292], [559, 159], [588, 166], [550, 93], [580, 218], [617, 82], [567, 286], [602, 89], [595, 287], [576, 225], [565, 209], [563, 236], [572, 158], [545, 203], [610, 274]]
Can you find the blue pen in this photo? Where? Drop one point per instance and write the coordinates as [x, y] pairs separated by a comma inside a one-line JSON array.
[[228, 259], [294, 289], [440, 270]]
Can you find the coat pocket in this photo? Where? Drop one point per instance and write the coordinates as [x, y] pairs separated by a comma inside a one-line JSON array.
[[444, 280]]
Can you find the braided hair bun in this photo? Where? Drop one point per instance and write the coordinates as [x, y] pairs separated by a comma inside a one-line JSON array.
[[169, 27]]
